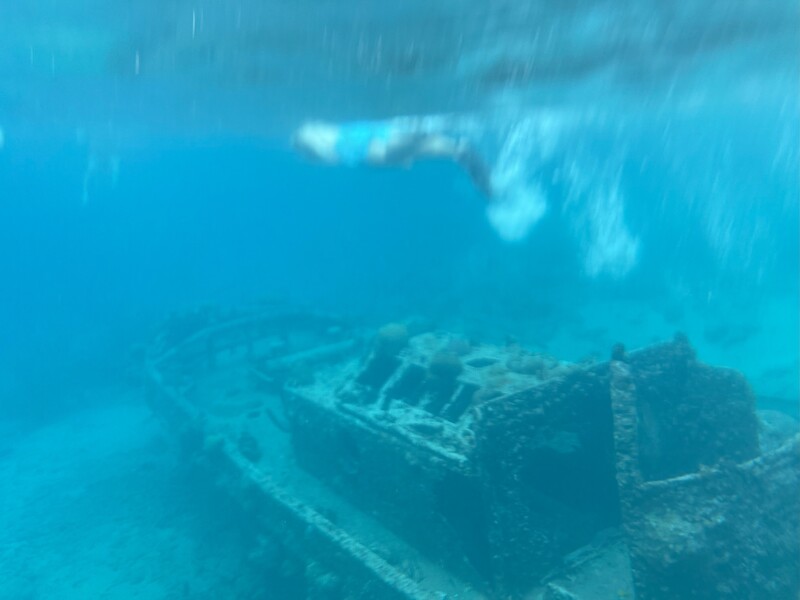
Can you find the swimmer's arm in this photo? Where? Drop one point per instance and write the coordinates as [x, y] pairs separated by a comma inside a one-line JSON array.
[[480, 174], [459, 150], [405, 150]]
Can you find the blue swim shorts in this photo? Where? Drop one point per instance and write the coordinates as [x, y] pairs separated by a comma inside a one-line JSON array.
[[355, 138]]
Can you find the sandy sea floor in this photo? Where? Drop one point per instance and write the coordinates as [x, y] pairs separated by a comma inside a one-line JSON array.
[[96, 506]]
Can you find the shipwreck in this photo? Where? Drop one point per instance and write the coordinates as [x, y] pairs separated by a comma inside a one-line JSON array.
[[411, 464]]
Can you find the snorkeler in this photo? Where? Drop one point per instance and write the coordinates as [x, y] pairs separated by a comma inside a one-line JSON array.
[[515, 172], [396, 142]]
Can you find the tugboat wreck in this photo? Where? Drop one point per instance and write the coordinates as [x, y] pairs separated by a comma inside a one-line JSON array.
[[423, 465]]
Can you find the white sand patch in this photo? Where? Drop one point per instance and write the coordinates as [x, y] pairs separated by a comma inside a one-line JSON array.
[[96, 512]]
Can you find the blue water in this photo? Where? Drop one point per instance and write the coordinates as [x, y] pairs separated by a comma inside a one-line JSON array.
[[145, 168]]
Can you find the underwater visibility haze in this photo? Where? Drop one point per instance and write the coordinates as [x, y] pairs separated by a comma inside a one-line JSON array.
[[454, 299]]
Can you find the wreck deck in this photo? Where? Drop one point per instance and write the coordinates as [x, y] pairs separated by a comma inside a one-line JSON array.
[[425, 466]]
